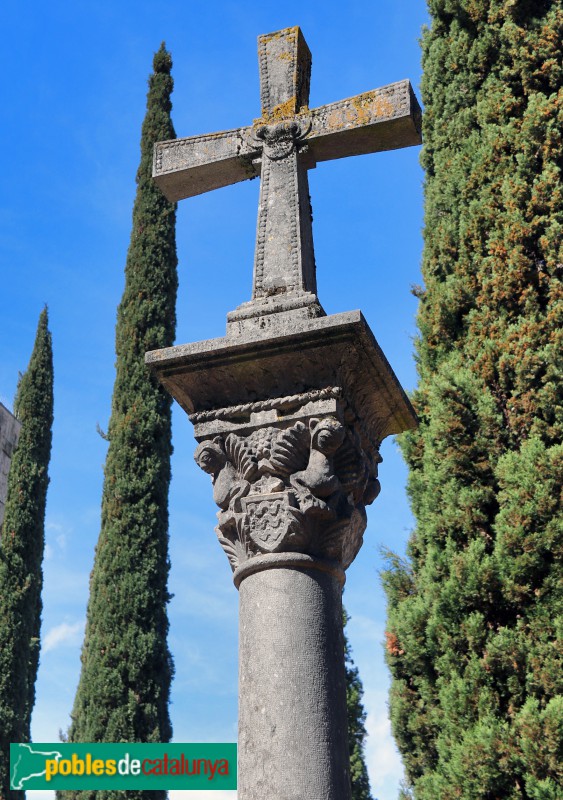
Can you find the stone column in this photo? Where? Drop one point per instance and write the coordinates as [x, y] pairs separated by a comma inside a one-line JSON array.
[[289, 413], [292, 517], [293, 737]]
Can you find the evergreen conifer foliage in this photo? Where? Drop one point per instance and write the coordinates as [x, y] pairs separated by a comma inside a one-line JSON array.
[[476, 609], [356, 725], [21, 551], [123, 693]]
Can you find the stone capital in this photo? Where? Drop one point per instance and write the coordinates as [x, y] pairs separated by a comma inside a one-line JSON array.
[[292, 487], [289, 420]]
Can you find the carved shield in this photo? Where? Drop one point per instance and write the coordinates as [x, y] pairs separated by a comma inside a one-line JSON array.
[[271, 520]]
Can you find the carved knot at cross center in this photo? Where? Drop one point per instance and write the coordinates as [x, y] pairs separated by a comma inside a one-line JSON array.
[[280, 141], [280, 147]]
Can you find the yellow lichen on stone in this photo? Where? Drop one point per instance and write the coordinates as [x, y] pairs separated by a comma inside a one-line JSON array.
[[287, 110], [341, 118], [286, 33], [284, 110], [370, 105], [361, 110]]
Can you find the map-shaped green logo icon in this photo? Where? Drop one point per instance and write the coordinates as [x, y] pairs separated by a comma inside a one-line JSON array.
[[28, 764]]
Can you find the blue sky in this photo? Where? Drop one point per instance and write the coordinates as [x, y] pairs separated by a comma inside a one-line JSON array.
[[74, 88]]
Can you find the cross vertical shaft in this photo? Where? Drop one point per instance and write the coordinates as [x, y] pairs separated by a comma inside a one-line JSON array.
[[284, 260], [286, 141]]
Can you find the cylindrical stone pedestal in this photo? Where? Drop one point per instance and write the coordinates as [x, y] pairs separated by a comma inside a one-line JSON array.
[[293, 732]]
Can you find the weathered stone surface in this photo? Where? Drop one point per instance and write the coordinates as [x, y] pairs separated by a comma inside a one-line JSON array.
[[383, 119], [289, 409], [298, 487], [338, 350], [263, 407], [292, 710], [281, 146]]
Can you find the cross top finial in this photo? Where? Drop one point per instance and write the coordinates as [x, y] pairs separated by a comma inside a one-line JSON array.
[[280, 147], [285, 74]]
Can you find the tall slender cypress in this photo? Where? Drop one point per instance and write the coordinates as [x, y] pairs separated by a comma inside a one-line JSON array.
[[476, 609], [356, 724], [124, 688], [22, 543]]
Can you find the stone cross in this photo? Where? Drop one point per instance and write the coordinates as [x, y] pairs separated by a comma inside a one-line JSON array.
[[289, 409], [281, 146]]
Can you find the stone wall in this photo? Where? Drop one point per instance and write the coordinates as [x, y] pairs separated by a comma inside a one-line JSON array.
[[9, 433]]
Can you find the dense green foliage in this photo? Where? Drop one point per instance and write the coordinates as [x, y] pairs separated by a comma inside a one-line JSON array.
[[476, 609], [21, 551], [356, 725], [124, 687]]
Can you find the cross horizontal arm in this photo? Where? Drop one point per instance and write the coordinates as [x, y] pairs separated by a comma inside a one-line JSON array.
[[385, 119], [187, 167]]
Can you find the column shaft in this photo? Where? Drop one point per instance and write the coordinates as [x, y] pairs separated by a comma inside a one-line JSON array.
[[293, 740]]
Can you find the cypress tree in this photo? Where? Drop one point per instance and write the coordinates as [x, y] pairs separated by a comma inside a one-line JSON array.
[[21, 551], [124, 687], [356, 724], [476, 608]]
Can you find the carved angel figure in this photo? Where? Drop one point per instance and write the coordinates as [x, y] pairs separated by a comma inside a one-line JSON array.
[[228, 486], [319, 478]]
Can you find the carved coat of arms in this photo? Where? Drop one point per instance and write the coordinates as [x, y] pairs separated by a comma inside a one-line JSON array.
[[296, 489]]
